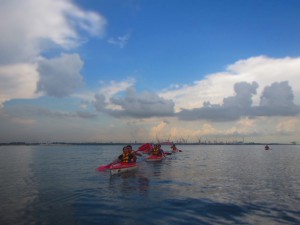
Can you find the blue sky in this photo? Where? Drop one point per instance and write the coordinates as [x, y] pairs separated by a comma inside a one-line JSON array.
[[126, 70]]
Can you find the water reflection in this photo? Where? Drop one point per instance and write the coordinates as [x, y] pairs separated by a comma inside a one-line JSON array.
[[146, 175], [18, 188], [130, 182], [204, 185]]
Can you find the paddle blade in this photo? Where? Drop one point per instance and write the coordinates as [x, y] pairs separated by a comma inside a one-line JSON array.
[[145, 147]]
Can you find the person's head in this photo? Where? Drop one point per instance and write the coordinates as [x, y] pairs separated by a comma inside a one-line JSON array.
[[129, 147], [125, 149]]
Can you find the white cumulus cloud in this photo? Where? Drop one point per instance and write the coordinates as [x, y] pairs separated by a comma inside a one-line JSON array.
[[29, 28], [18, 81], [214, 87], [276, 100]]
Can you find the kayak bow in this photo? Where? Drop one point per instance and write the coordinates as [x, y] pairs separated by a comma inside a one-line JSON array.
[[153, 158], [122, 168]]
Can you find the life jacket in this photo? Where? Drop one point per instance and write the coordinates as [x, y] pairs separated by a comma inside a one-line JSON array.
[[125, 157], [155, 151], [132, 152], [132, 157]]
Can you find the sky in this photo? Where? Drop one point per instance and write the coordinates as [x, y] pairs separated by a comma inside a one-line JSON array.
[[149, 71]]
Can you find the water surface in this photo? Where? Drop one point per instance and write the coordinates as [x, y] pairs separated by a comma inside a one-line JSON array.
[[236, 184]]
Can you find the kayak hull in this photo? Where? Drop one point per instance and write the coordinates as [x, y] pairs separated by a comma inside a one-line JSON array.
[[154, 158], [122, 168]]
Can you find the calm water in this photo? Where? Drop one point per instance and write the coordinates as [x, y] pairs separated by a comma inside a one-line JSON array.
[[202, 185]]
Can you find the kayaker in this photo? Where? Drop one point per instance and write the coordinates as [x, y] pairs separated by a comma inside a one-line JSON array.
[[157, 150], [126, 157], [267, 147], [174, 148], [134, 153]]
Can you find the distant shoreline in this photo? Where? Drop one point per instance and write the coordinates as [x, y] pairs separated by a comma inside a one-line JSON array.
[[137, 143]]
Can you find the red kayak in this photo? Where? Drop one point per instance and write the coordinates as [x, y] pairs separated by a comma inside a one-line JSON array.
[[122, 167], [153, 158]]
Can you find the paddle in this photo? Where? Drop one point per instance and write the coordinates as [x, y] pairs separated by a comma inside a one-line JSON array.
[[144, 147], [168, 153]]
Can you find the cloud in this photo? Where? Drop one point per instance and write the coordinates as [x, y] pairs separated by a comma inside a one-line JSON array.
[[278, 94], [158, 130], [288, 126], [119, 41], [261, 69], [233, 107], [31, 27], [276, 100], [17, 81], [136, 105], [107, 91], [243, 97], [60, 77], [113, 88], [26, 112], [36, 124], [84, 115], [100, 103]]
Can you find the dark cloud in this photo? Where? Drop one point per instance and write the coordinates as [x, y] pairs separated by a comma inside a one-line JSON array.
[[60, 77], [218, 114], [100, 103], [136, 105], [26, 111], [85, 115], [243, 98], [276, 100], [278, 94]]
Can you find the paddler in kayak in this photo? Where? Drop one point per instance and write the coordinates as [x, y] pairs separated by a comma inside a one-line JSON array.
[[134, 153], [157, 151], [127, 157], [174, 148]]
